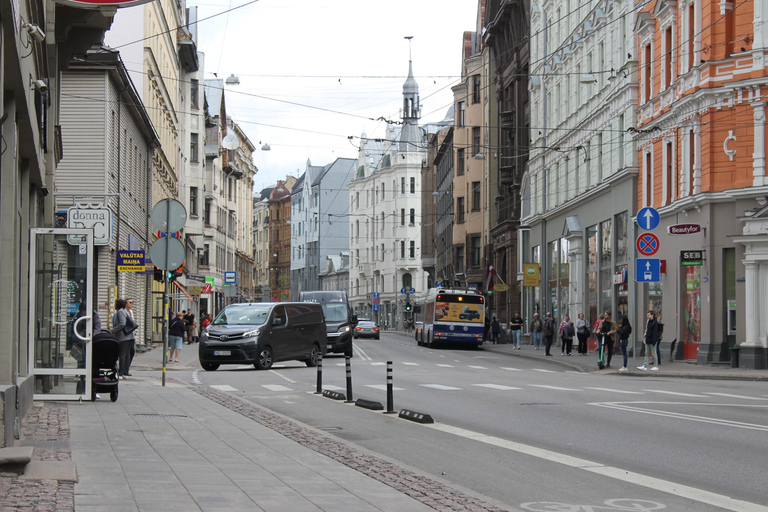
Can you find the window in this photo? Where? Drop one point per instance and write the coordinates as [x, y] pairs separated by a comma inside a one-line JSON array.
[[647, 184], [407, 281], [207, 213], [476, 141], [357, 199], [402, 186], [383, 192], [459, 209], [476, 89], [460, 162], [402, 216], [691, 34], [412, 249], [413, 185], [460, 116], [413, 217], [475, 241], [193, 201], [668, 57], [194, 92], [669, 178], [460, 258], [476, 199], [648, 72], [402, 248], [193, 153], [205, 257]]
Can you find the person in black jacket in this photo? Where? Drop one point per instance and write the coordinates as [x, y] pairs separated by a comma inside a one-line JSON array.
[[176, 330], [625, 329], [651, 339]]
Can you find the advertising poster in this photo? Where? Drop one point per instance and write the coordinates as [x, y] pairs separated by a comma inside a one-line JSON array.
[[458, 312]]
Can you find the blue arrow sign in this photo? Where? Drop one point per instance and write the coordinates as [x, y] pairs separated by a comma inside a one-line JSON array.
[[647, 270], [375, 295], [412, 290], [648, 218], [403, 291], [375, 307]]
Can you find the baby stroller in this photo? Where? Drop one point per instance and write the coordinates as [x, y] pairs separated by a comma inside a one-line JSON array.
[[104, 370]]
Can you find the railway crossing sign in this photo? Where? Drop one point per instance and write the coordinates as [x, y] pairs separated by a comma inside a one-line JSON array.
[[647, 244]]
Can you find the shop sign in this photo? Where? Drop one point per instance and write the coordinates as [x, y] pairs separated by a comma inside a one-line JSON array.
[[684, 229], [620, 277], [95, 217], [531, 274], [691, 258], [130, 261]]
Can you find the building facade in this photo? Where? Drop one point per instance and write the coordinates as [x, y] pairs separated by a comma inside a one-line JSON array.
[[280, 239], [262, 292]]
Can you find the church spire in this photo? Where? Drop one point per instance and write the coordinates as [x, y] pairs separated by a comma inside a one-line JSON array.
[[411, 109]]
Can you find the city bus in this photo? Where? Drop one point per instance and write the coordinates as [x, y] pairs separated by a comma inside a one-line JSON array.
[[452, 316]]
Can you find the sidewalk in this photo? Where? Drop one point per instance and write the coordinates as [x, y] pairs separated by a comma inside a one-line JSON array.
[[588, 363]]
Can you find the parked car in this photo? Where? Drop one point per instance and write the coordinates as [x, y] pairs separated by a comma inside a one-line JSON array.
[[367, 329], [264, 333]]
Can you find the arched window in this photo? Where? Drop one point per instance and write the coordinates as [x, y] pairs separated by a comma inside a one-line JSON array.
[[407, 281], [357, 287], [527, 197]]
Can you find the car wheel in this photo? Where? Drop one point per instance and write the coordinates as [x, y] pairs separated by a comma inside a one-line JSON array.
[[378, 338], [264, 362], [210, 367], [313, 355], [355, 336]]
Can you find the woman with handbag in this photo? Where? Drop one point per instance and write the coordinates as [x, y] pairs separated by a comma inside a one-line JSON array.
[[582, 333], [124, 327]]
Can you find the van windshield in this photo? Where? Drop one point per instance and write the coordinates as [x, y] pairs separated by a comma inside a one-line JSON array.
[[335, 312], [245, 314]]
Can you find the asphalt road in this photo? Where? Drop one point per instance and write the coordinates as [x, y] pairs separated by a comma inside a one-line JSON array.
[[535, 436]]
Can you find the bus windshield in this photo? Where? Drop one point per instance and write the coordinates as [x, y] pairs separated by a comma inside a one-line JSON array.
[[459, 308]]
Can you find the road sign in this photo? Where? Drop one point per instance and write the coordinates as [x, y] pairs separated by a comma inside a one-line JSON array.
[[375, 295], [376, 301], [438, 283], [648, 218], [375, 307], [169, 215], [647, 244], [647, 270], [403, 290], [230, 277], [167, 253], [411, 290]]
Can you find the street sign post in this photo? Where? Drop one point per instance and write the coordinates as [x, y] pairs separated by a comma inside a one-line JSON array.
[[647, 270], [648, 218], [647, 244], [230, 277]]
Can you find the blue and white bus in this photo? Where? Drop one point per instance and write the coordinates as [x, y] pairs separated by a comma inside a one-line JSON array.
[[452, 316]]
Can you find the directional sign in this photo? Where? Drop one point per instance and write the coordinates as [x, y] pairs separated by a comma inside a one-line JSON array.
[[375, 295], [647, 270], [230, 277], [647, 244], [375, 307], [412, 290], [403, 290], [648, 218]]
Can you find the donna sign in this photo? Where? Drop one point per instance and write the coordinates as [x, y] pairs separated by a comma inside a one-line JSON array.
[[90, 217]]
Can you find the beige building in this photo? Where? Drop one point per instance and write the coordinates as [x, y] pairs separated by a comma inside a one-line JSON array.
[[261, 245], [241, 164]]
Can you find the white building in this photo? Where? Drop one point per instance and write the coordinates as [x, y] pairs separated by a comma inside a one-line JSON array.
[[262, 292], [385, 217]]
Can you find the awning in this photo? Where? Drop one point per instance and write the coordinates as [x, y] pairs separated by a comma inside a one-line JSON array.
[[183, 291]]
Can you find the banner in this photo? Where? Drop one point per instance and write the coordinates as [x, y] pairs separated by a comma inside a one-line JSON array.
[[530, 274]]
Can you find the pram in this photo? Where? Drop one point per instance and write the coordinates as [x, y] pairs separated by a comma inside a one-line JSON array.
[[104, 370]]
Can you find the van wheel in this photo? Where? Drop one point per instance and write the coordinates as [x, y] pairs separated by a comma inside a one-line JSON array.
[[210, 367], [313, 355], [264, 362]]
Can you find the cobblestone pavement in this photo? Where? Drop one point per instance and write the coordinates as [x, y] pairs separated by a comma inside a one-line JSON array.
[[46, 425], [439, 496]]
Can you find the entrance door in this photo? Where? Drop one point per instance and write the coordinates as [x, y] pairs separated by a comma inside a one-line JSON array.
[[60, 309]]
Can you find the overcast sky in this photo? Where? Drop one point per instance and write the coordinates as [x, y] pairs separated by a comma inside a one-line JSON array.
[[346, 56]]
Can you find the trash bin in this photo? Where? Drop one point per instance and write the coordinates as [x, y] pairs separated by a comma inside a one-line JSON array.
[[735, 356]]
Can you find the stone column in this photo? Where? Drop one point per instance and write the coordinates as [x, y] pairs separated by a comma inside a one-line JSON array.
[[758, 156], [752, 304]]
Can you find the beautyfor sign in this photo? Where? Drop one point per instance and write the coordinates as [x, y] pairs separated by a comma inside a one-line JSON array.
[[684, 229]]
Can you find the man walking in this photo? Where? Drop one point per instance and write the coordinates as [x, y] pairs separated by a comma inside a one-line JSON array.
[[549, 332], [651, 340], [516, 327]]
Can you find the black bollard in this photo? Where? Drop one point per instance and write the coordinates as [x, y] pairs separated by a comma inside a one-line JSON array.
[[390, 397], [319, 390], [348, 362]]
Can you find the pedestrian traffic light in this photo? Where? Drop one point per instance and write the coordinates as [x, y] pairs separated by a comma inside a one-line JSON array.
[[408, 307], [159, 275]]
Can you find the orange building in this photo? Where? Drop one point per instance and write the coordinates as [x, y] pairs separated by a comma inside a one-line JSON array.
[[701, 139]]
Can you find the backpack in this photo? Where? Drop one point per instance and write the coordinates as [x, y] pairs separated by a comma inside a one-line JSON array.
[[548, 327]]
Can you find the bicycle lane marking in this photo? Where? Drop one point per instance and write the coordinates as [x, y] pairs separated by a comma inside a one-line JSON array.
[[656, 484]]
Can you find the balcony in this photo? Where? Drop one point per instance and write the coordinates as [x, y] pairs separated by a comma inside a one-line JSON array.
[[364, 269], [507, 118]]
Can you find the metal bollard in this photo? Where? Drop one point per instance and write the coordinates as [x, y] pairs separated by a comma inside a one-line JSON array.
[[390, 395], [319, 390], [348, 363]]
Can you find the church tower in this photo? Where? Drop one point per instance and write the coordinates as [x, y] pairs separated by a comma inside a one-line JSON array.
[[410, 138]]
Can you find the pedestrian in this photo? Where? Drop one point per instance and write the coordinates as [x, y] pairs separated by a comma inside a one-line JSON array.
[[175, 336], [207, 321], [582, 334], [487, 328], [567, 333], [124, 327], [608, 331], [651, 338], [625, 329], [188, 323], [495, 329], [516, 327], [596, 331], [549, 332], [536, 328]]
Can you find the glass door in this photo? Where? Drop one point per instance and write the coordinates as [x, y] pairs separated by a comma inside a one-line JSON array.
[[60, 311]]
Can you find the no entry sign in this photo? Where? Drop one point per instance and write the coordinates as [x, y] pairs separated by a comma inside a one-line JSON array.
[[647, 244]]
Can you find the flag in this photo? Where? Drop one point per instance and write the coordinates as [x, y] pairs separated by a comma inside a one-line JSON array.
[[490, 273]]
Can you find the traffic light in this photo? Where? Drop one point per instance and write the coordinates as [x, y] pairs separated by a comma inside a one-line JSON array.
[[408, 307], [174, 274], [159, 275]]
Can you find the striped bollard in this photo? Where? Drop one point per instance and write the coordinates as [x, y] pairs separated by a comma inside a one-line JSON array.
[[348, 364], [319, 390], [390, 394]]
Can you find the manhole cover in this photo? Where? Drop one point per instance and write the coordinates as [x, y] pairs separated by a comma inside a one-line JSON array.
[[161, 415]]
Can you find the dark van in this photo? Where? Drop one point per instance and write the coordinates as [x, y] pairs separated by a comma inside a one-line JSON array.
[[264, 333], [339, 320]]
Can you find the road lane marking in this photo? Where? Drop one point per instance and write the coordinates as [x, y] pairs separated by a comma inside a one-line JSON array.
[[411, 364], [331, 387], [445, 366], [634, 407], [378, 363], [282, 376], [543, 371], [618, 391], [223, 387], [382, 387], [553, 387], [512, 369], [656, 484], [496, 386], [276, 387], [676, 393], [440, 387], [360, 353], [726, 395], [479, 367]]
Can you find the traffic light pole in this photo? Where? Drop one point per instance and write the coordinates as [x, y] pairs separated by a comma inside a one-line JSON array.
[[166, 295]]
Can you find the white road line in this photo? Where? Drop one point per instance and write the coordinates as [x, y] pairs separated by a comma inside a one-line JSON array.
[[512, 369], [360, 353], [553, 387], [195, 377], [736, 396], [656, 484], [411, 364], [634, 407], [618, 391], [440, 387], [244, 367], [543, 371], [276, 387], [282, 376], [479, 367], [496, 386], [382, 387], [331, 387], [223, 387], [676, 393], [381, 363], [445, 365]]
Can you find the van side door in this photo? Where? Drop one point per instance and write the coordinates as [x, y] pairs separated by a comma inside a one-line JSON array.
[[279, 334], [302, 334]]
